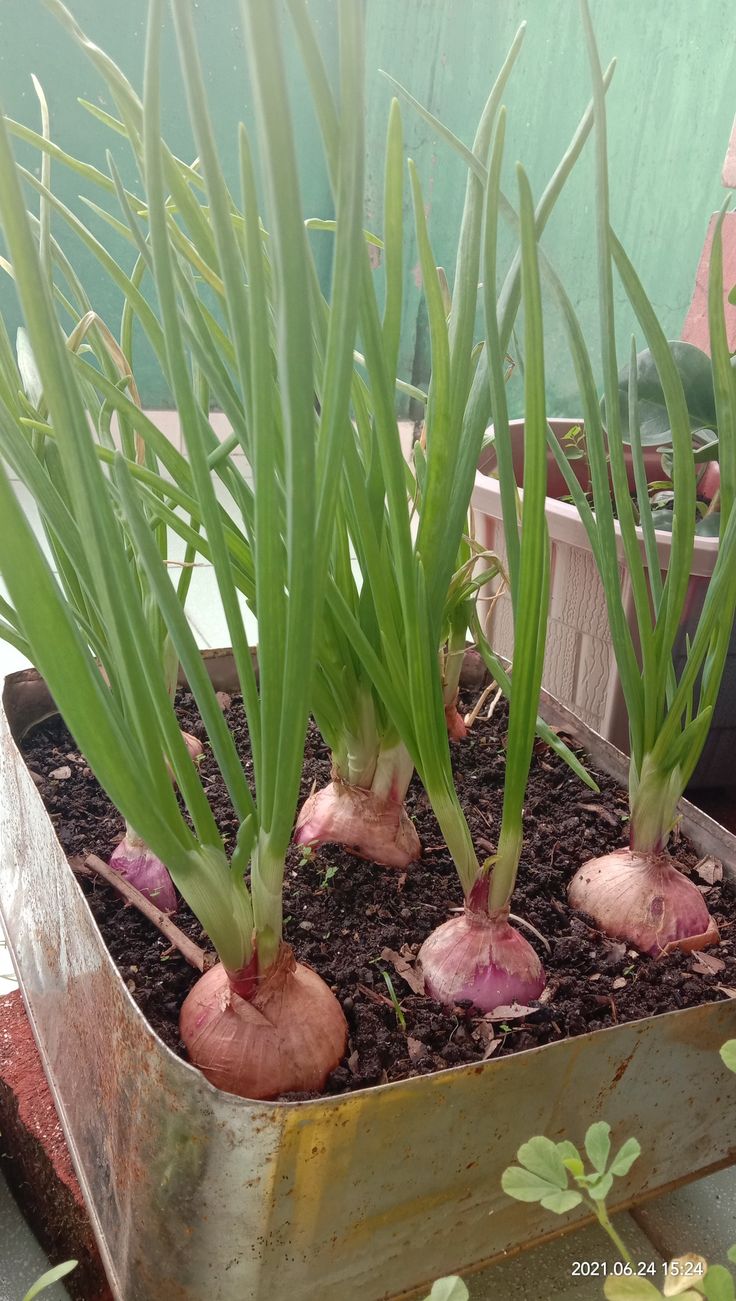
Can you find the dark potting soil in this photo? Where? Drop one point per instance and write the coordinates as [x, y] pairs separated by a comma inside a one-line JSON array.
[[356, 923]]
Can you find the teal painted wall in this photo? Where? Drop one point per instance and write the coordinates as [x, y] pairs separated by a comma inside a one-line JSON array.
[[671, 107], [32, 41]]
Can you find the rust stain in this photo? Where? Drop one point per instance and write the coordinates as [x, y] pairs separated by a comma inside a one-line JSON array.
[[623, 1068]]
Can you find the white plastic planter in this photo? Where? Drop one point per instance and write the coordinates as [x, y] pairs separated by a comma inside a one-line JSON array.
[[580, 668]]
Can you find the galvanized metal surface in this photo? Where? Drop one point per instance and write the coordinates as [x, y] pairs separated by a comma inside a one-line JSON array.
[[196, 1194]]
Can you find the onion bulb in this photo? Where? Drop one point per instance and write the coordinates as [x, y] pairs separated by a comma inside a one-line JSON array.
[[287, 1038], [195, 747], [480, 957], [645, 900], [368, 825], [139, 865], [195, 750]]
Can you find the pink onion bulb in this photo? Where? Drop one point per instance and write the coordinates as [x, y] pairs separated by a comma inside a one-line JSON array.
[[483, 959], [286, 1039], [645, 900], [139, 865], [195, 747], [366, 824]]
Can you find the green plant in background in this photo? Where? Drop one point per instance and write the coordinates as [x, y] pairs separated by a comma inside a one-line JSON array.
[[696, 376], [638, 893], [127, 729], [49, 1278]]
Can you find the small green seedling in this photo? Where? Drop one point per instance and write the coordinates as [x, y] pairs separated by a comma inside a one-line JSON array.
[[52, 1276], [546, 1168], [543, 1175], [328, 875], [307, 855], [398, 1010]]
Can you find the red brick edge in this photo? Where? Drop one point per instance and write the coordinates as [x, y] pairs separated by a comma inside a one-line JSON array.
[[35, 1159]]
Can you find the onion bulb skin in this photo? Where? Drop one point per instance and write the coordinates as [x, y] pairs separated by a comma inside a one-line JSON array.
[[368, 825], [141, 868], [287, 1038], [480, 957], [139, 865], [194, 746], [644, 899]]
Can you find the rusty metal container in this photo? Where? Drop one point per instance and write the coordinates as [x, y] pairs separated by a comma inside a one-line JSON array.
[[196, 1194]]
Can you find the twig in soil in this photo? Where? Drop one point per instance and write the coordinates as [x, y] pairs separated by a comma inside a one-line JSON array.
[[194, 955], [601, 812]]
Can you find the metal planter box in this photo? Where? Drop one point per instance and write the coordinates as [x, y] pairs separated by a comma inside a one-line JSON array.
[[580, 668], [194, 1193]]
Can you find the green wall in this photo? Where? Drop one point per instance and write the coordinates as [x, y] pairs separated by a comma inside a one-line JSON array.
[[671, 107]]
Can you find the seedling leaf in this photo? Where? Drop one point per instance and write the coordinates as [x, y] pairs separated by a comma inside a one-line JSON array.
[[51, 1276], [526, 1186], [728, 1054], [629, 1289], [574, 1165], [718, 1284], [540, 1155], [598, 1145], [568, 1151], [448, 1289], [628, 1153], [600, 1187], [560, 1202]]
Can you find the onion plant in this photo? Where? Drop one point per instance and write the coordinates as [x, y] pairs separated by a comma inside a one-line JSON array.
[[28, 444], [479, 955], [34, 457], [639, 893], [257, 1023], [362, 806]]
